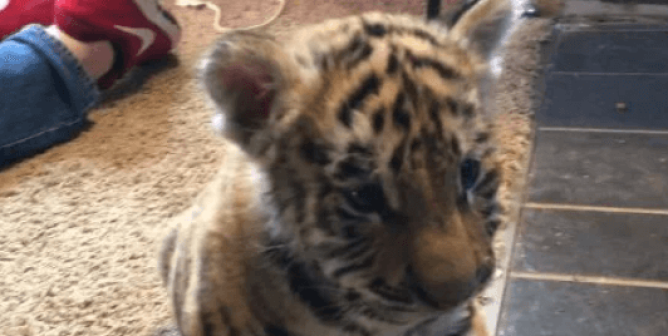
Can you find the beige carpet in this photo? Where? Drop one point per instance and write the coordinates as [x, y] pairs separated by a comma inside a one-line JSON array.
[[81, 223]]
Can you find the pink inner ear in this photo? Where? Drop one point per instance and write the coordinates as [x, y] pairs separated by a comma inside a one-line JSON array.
[[252, 82]]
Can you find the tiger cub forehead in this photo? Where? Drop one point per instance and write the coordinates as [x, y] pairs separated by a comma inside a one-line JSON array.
[[364, 78]]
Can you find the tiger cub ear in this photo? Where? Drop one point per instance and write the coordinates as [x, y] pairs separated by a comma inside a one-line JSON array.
[[247, 77], [480, 23]]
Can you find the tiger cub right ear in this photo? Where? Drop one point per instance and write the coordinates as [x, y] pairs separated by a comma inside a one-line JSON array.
[[246, 75]]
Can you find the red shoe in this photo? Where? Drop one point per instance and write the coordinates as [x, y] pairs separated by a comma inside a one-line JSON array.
[[139, 30], [14, 14]]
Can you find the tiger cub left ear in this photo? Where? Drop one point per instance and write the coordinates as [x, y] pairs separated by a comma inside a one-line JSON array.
[[246, 76]]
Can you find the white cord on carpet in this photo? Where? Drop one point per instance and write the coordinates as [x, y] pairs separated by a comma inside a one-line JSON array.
[[216, 10], [518, 7]]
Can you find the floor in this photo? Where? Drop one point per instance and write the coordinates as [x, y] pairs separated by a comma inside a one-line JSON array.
[[590, 251]]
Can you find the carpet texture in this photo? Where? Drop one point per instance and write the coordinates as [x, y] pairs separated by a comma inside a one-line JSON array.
[[81, 223]]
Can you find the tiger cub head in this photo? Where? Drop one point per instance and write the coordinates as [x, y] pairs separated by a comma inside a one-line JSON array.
[[370, 133]]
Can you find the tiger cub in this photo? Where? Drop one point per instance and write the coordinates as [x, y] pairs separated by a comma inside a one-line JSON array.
[[358, 195]]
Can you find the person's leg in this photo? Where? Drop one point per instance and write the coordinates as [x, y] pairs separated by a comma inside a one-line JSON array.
[[45, 93], [95, 57], [49, 78]]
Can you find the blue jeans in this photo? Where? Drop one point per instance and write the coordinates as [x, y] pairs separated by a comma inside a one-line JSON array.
[[44, 94]]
